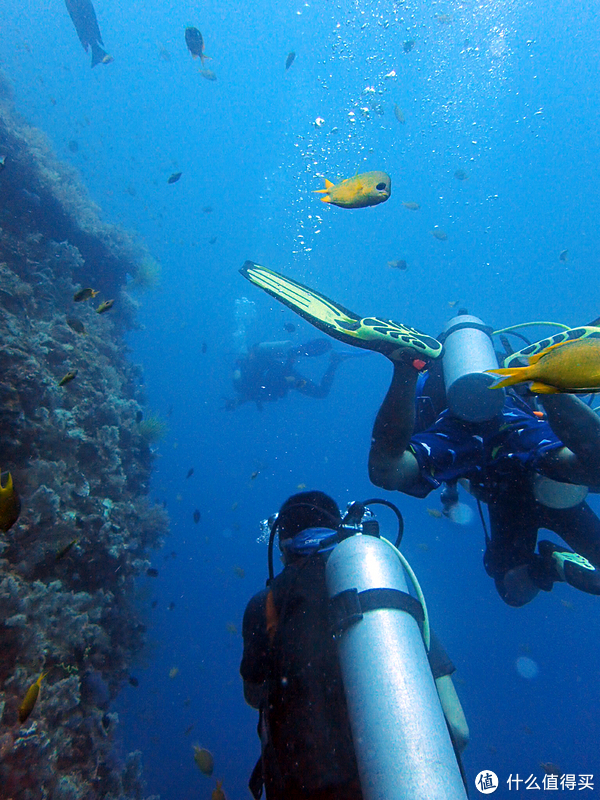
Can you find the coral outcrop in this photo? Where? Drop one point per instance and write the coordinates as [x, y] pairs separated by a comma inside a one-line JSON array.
[[82, 468]]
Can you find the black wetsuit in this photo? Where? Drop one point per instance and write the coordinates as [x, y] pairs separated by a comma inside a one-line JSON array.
[[307, 742], [500, 459]]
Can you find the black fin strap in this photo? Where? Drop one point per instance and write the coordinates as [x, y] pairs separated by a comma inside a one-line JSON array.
[[348, 607]]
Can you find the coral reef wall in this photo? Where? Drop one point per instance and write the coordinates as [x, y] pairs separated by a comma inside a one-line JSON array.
[[81, 466]]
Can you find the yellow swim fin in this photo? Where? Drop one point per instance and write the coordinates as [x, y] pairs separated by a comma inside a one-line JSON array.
[[371, 333]]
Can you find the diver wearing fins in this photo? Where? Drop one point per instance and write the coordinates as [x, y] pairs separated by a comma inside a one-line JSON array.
[[439, 422], [316, 742], [267, 372]]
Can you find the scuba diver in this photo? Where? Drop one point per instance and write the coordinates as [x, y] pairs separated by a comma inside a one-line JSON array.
[[267, 372], [311, 707], [439, 422]]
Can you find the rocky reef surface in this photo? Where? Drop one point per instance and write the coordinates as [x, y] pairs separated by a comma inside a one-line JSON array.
[[81, 463]]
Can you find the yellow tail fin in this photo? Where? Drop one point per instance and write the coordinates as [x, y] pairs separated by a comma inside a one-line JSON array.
[[513, 375]]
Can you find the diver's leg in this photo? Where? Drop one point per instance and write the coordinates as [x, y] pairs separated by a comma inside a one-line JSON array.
[[578, 427], [510, 551], [391, 466], [579, 527], [322, 389]]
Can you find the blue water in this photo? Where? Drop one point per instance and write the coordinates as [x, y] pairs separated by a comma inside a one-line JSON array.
[[507, 91]]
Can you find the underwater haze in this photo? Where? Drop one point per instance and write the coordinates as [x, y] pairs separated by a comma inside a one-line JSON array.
[[498, 148]]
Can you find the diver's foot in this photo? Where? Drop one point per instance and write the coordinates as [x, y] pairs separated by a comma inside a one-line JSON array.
[[397, 342], [565, 565], [392, 339]]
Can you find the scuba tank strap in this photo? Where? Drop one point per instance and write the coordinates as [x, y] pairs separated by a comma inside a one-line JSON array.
[[348, 607]]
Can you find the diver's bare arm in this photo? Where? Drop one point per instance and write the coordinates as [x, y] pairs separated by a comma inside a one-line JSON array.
[[578, 427], [453, 711], [391, 466]]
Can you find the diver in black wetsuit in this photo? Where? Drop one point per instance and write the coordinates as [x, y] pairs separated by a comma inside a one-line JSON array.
[[267, 372], [533, 468]]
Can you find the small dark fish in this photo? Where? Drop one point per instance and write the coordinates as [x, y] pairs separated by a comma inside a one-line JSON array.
[[188, 730], [564, 255], [204, 348], [550, 769], [2, 162], [439, 234], [133, 682], [175, 177], [207, 209], [408, 45], [289, 328], [255, 475], [398, 264], [64, 550], [30, 699], [73, 146], [291, 57], [84, 294], [195, 43], [204, 760], [208, 74], [461, 175], [171, 606], [139, 416], [153, 604], [190, 472], [212, 240], [196, 516], [68, 378], [151, 572], [105, 306], [10, 504], [84, 19], [76, 325], [165, 55], [170, 411], [218, 793]]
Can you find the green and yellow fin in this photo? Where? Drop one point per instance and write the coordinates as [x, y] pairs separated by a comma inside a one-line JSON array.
[[371, 333]]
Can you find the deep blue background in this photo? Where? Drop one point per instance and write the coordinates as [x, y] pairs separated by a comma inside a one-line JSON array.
[[507, 91]]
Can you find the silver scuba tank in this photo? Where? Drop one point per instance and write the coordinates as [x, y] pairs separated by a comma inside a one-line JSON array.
[[402, 744], [468, 352]]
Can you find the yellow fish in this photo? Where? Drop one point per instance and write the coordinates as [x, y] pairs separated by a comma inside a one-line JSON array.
[[367, 189], [571, 367], [30, 699], [217, 792], [10, 505]]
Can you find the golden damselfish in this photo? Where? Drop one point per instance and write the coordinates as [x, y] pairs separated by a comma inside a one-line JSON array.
[[30, 699], [10, 504], [367, 189], [572, 367]]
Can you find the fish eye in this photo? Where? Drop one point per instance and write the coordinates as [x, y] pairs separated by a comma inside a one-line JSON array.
[[380, 187]]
